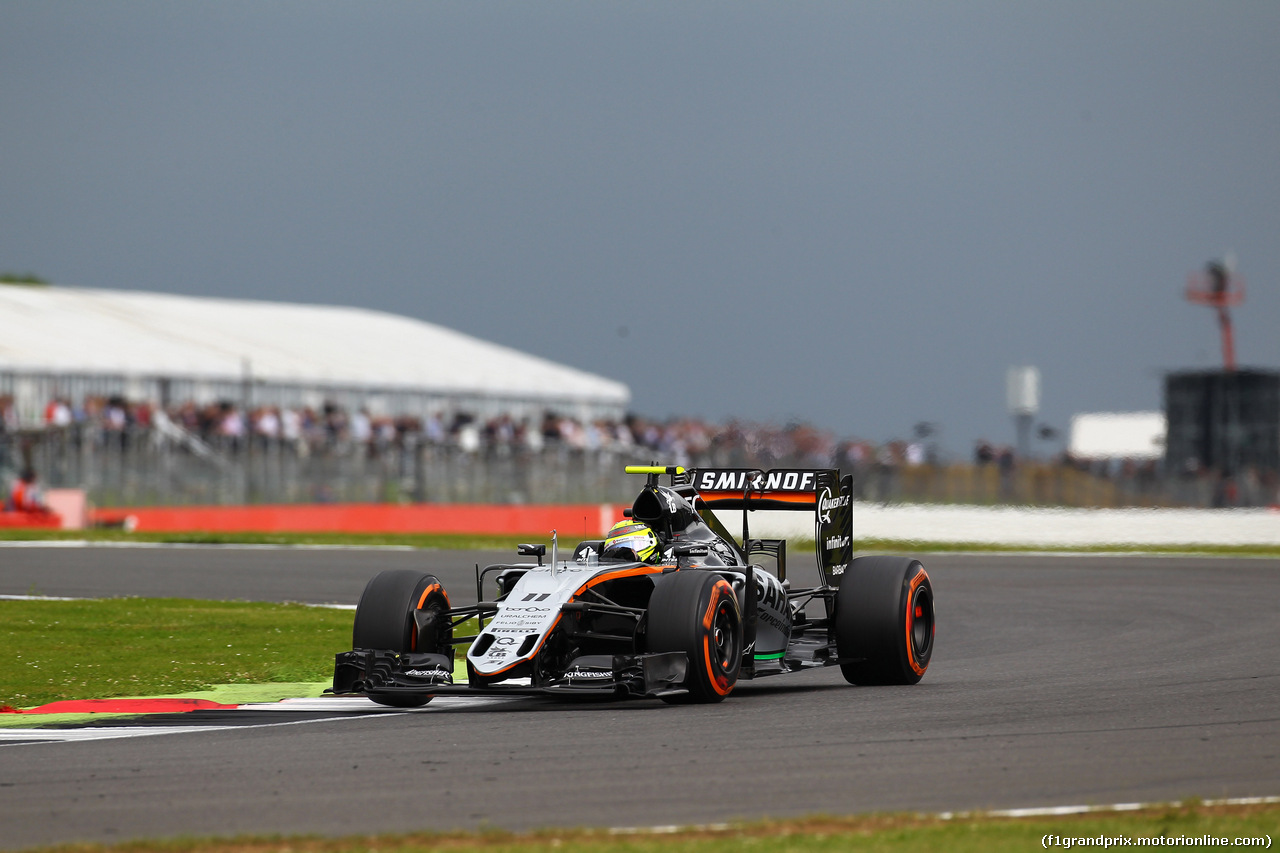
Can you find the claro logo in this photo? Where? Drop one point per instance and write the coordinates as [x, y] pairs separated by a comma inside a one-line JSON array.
[[827, 503]]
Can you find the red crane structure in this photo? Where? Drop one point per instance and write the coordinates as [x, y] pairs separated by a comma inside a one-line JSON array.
[[1220, 288]]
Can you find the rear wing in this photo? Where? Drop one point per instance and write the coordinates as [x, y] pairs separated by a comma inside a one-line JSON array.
[[821, 491]]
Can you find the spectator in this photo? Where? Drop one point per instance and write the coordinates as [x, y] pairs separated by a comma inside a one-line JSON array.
[[24, 494], [1007, 462], [58, 413], [361, 427], [984, 453], [291, 425], [915, 454], [8, 414], [266, 424], [231, 425], [435, 429]]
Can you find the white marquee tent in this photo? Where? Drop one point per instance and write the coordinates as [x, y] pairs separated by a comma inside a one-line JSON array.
[[1117, 435], [166, 348]]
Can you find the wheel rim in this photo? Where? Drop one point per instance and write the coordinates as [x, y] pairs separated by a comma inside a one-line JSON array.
[[723, 636], [921, 623]]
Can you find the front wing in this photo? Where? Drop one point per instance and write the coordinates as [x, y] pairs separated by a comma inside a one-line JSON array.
[[377, 672]]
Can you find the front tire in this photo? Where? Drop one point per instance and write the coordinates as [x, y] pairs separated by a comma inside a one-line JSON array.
[[403, 611], [696, 612], [885, 621]]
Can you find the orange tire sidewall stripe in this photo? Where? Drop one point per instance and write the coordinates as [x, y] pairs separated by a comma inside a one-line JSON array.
[[435, 587], [719, 683], [920, 578]]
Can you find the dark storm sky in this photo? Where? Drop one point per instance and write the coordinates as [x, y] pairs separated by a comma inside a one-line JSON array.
[[858, 214]]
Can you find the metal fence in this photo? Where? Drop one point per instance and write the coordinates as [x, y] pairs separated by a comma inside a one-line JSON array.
[[150, 466], [141, 467]]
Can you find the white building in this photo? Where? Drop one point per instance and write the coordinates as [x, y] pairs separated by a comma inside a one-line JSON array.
[[1117, 435]]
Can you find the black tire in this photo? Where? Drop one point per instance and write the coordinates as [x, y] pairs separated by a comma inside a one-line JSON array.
[[385, 614], [885, 621], [697, 612], [385, 620]]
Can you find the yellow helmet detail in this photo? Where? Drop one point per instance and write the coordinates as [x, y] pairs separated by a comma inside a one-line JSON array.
[[630, 540]]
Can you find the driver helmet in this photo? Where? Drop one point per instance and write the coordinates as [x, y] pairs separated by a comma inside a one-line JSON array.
[[630, 540]]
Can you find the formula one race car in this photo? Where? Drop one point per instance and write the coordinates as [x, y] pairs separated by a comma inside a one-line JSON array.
[[671, 605]]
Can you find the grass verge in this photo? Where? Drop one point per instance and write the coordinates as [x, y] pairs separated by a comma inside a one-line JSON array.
[[106, 648], [470, 542], [870, 833]]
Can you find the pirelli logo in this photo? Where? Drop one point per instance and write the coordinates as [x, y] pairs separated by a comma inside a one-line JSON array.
[[712, 480]]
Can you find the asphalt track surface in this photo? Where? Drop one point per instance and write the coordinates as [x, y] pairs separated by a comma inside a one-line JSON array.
[[1057, 680]]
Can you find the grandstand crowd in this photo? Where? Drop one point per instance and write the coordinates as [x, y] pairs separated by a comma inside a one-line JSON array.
[[889, 470], [316, 430]]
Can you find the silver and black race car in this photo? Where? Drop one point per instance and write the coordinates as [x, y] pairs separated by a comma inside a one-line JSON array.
[[685, 625]]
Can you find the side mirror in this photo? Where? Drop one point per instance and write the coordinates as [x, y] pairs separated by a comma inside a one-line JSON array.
[[532, 551]]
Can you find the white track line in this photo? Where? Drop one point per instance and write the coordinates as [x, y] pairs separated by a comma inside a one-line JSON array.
[[367, 709], [39, 598], [18, 737], [368, 706], [1061, 811], [1047, 811]]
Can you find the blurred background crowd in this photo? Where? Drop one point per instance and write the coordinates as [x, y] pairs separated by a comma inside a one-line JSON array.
[[135, 452], [226, 427]]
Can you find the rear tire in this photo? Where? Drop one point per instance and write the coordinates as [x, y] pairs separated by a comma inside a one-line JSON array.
[[885, 620], [696, 612], [385, 620]]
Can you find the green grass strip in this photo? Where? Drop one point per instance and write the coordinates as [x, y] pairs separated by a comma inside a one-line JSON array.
[[107, 648], [882, 833], [468, 542]]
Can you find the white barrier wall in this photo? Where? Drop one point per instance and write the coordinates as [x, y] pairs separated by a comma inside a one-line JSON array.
[[1041, 528]]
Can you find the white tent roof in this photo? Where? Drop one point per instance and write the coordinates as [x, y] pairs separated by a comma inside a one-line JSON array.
[[75, 330], [1117, 435]]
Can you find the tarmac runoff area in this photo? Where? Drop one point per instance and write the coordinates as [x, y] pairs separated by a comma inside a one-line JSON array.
[[1057, 680]]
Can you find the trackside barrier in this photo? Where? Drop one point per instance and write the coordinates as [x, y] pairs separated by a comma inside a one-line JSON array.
[[22, 520], [570, 520], [1037, 528]]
